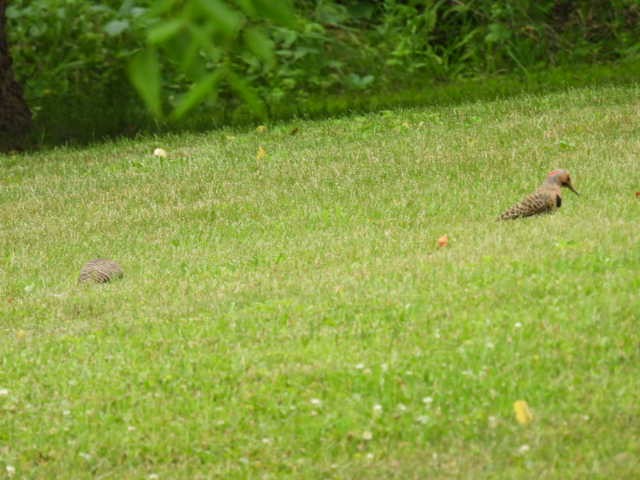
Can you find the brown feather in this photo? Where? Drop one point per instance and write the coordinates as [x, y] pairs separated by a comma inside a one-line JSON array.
[[100, 270], [543, 200]]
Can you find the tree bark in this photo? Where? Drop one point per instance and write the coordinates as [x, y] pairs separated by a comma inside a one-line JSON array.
[[15, 117]]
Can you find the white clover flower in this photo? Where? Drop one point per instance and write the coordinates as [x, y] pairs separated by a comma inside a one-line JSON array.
[[427, 400], [518, 325], [402, 407], [359, 366], [160, 152], [66, 413], [490, 345], [369, 456], [523, 449], [367, 435], [4, 392], [316, 402], [423, 419], [377, 409], [85, 455], [153, 476], [11, 470], [492, 421]]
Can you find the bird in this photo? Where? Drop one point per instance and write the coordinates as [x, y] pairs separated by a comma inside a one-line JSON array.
[[100, 270], [545, 199]]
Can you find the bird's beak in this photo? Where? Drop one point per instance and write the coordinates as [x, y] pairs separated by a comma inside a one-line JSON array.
[[572, 189]]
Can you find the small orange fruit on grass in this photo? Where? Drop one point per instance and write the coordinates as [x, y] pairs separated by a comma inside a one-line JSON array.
[[443, 241]]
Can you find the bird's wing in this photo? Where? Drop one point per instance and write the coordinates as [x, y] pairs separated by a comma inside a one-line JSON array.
[[534, 204]]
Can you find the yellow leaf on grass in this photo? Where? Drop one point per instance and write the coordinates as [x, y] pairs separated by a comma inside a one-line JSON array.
[[523, 412], [262, 153]]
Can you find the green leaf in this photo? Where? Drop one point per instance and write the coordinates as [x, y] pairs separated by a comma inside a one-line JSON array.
[[144, 73], [279, 11], [259, 44], [247, 7], [199, 91], [497, 33], [225, 19], [247, 93], [13, 12], [160, 7], [202, 37], [164, 31], [116, 27]]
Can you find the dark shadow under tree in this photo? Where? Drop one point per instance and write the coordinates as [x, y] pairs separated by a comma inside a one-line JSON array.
[[15, 117]]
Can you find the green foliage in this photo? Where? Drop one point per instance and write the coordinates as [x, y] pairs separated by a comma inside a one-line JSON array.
[[71, 55], [196, 41], [70, 45], [232, 61]]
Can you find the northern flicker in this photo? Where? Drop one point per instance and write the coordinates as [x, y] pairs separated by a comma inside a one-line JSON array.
[[545, 199], [100, 270]]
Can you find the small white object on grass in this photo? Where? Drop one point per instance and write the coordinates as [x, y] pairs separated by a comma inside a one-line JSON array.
[[423, 419], [160, 152]]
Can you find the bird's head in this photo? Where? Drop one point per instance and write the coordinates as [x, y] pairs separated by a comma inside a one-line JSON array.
[[562, 178]]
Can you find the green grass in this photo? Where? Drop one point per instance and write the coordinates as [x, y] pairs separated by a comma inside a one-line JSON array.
[[292, 317]]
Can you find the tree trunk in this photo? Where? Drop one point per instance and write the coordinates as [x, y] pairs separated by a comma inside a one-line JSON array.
[[15, 117]]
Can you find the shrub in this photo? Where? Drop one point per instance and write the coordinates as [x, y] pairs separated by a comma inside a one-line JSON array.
[[233, 60]]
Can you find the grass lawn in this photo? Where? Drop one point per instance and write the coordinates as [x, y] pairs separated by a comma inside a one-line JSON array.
[[292, 316]]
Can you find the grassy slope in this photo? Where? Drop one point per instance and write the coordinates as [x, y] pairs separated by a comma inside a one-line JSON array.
[[268, 306]]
